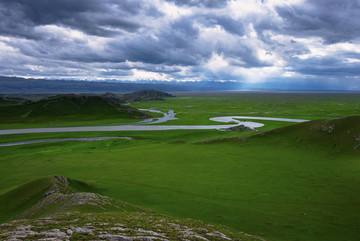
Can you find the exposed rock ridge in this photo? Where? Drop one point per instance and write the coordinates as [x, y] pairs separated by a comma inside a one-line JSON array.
[[119, 226], [60, 197]]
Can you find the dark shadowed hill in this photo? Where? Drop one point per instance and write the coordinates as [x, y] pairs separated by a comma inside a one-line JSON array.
[[70, 107], [8, 99], [146, 95], [113, 99]]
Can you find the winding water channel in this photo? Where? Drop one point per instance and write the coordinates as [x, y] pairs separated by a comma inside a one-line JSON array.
[[144, 126], [170, 115], [63, 139]]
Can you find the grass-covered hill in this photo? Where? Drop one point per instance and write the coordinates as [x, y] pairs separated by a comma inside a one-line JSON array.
[[3, 99], [56, 194], [58, 208], [337, 135], [67, 109], [113, 98], [143, 95], [10, 100]]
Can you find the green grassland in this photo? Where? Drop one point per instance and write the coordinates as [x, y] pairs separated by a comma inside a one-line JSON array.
[[190, 110], [294, 182], [194, 110]]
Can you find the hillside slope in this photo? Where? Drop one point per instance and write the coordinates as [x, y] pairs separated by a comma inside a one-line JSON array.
[[56, 194], [340, 134]]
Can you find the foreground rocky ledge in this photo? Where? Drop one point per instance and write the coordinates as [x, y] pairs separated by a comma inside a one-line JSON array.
[[115, 226]]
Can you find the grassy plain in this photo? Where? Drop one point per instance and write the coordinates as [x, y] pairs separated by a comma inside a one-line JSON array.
[[299, 182], [198, 109]]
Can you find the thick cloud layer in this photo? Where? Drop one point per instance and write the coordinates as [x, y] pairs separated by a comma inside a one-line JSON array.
[[201, 3], [253, 42], [332, 20]]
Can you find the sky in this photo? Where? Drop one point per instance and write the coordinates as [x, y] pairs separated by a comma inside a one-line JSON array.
[[277, 43]]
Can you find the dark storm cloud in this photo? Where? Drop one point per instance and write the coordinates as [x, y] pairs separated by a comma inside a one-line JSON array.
[[333, 20], [19, 17], [228, 24], [58, 48], [327, 66], [174, 45], [179, 44], [245, 56], [201, 3]]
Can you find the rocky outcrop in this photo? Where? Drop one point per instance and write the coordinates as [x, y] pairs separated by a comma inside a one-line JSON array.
[[239, 128], [116, 226]]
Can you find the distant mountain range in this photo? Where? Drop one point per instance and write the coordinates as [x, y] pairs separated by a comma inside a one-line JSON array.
[[22, 85]]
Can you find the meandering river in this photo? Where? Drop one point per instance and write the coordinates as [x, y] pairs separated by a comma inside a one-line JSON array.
[[64, 139], [145, 125]]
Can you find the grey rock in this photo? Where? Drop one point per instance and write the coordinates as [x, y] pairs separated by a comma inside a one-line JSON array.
[[218, 234], [112, 237], [120, 229], [21, 234], [56, 233], [27, 227], [5, 225], [82, 230], [201, 230], [50, 239], [149, 232], [199, 237]]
